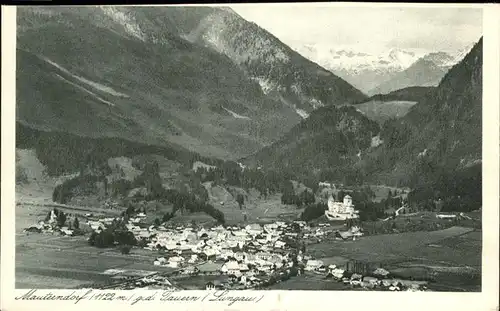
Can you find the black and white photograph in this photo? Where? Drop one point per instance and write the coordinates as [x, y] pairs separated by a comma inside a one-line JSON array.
[[249, 147]]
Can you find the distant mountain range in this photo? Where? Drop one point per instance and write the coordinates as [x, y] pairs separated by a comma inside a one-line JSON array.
[[201, 78], [382, 73], [421, 73]]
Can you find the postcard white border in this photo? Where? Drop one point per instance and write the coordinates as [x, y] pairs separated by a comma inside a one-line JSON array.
[[285, 300]]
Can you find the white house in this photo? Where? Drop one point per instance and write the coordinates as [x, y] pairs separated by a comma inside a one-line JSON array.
[[193, 259], [231, 267], [335, 271], [175, 261], [190, 270], [444, 216], [210, 286], [211, 251], [325, 184], [201, 232], [226, 253], [313, 265], [160, 261], [254, 229], [96, 225], [263, 255], [243, 280], [279, 244], [66, 231], [270, 227], [243, 267], [250, 258], [381, 272], [239, 255]]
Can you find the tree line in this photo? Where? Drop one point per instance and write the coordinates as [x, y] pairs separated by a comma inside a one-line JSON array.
[[195, 201], [115, 234]]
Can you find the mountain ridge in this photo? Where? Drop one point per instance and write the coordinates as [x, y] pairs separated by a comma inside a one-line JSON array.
[[423, 72], [245, 44], [129, 73], [367, 70]]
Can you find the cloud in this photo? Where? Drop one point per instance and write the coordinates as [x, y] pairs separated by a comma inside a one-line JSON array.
[[382, 27]]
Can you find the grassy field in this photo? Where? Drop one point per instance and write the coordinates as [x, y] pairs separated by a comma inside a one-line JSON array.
[[52, 261], [381, 111], [451, 257], [383, 247], [309, 281]]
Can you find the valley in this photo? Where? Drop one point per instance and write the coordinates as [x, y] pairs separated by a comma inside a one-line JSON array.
[[190, 148]]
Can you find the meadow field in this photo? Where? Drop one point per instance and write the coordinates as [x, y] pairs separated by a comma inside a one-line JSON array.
[[450, 257], [55, 261]]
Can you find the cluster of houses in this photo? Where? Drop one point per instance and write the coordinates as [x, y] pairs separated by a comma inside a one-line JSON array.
[[242, 252], [50, 226], [246, 257], [379, 279], [149, 282], [43, 227]]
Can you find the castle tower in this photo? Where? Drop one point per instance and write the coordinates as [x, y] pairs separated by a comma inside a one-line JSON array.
[[347, 201]]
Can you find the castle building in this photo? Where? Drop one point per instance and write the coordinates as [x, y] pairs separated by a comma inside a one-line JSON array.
[[341, 210]]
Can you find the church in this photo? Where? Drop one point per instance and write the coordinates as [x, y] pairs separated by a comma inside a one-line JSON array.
[[341, 210]]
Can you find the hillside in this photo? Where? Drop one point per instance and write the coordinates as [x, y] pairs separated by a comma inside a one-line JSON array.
[[328, 141], [131, 73], [440, 137], [64, 153], [422, 73], [411, 93], [280, 71]]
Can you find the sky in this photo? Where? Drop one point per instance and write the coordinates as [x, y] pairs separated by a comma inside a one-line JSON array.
[[369, 29]]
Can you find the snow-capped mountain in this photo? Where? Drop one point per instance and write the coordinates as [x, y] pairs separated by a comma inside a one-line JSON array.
[[363, 70], [421, 73], [460, 55], [400, 58], [368, 70], [428, 70], [447, 60], [441, 59], [335, 59]]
